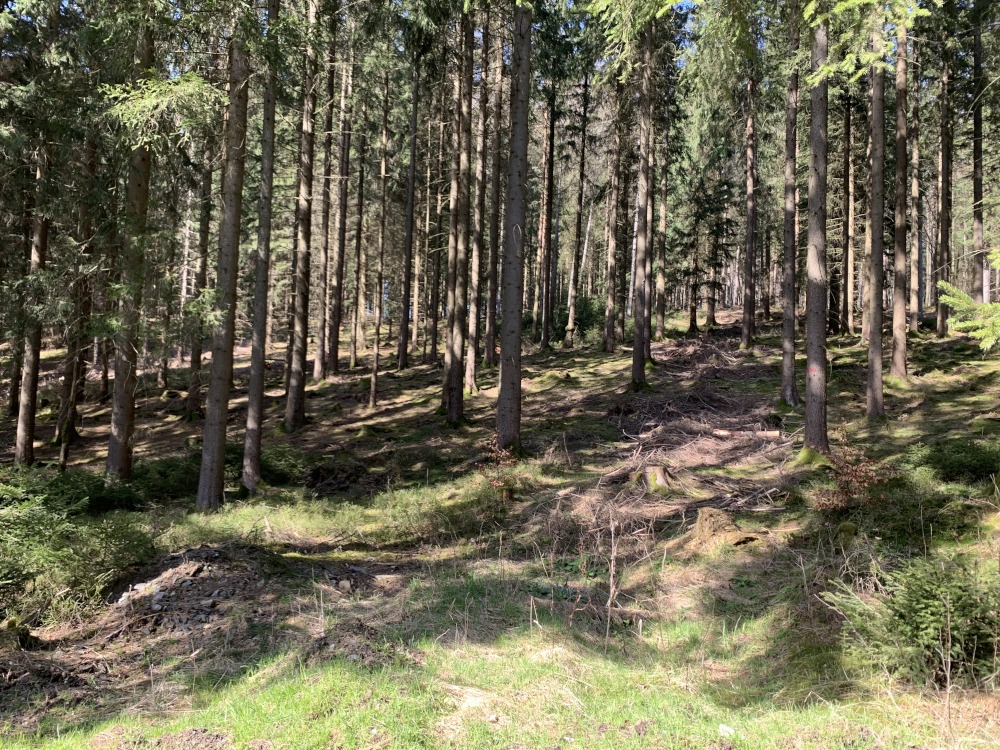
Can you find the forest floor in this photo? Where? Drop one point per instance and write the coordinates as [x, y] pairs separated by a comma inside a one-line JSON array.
[[650, 575]]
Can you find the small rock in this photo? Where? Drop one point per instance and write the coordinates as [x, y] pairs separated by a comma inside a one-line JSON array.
[[187, 582], [156, 607], [216, 593], [344, 586], [209, 603]]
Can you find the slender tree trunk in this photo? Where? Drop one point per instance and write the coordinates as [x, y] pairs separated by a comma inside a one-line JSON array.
[[644, 195], [326, 199], [451, 279], [262, 272], [479, 219], [749, 288], [192, 407], [439, 235], [899, 240], [693, 294], [456, 401], [509, 398], [980, 289], [24, 445], [213, 456], [492, 271], [343, 187], [944, 195], [915, 248], [295, 406], [611, 224], [379, 300], [402, 349], [847, 283], [574, 282], [789, 390], [876, 405], [359, 276], [816, 287], [713, 284], [119, 462], [544, 285]]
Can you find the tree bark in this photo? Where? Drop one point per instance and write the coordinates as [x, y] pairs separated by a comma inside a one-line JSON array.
[[980, 287], [898, 368], [789, 390], [326, 199], [262, 272], [509, 398], [213, 457], [492, 271], [479, 219], [379, 300], [611, 230], [876, 405], [816, 287], [357, 308], [119, 462], [402, 348], [343, 187], [847, 242], [24, 444], [749, 287], [295, 406], [644, 194], [944, 194], [192, 407], [574, 281], [914, 135]]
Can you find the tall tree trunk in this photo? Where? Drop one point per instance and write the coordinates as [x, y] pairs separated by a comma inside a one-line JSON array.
[[611, 230], [847, 242], [295, 406], [899, 239], [749, 288], [693, 293], [644, 195], [944, 193], [574, 282], [262, 272], [119, 463], [192, 407], [980, 287], [713, 283], [789, 391], [456, 401], [24, 445], [357, 308], [439, 235], [509, 398], [451, 279], [492, 270], [405, 307], [876, 405], [343, 188], [915, 228], [326, 198], [816, 287], [211, 483], [661, 250], [479, 219], [379, 299]]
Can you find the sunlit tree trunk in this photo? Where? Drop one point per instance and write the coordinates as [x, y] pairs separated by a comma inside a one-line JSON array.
[[899, 240], [816, 287], [789, 390], [876, 405], [574, 282]]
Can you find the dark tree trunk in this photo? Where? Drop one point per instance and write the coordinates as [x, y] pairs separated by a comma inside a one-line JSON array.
[[847, 235], [402, 349], [876, 405], [492, 271], [336, 302], [509, 399], [644, 195], [211, 484], [379, 300], [915, 227], [980, 288], [789, 390], [119, 463], [193, 404], [749, 284], [295, 406], [574, 281], [945, 191], [262, 272], [479, 219], [326, 200]]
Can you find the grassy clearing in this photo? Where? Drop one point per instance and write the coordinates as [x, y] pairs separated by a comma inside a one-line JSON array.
[[416, 594]]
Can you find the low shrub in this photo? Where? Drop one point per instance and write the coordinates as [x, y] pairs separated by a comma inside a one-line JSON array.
[[937, 621]]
